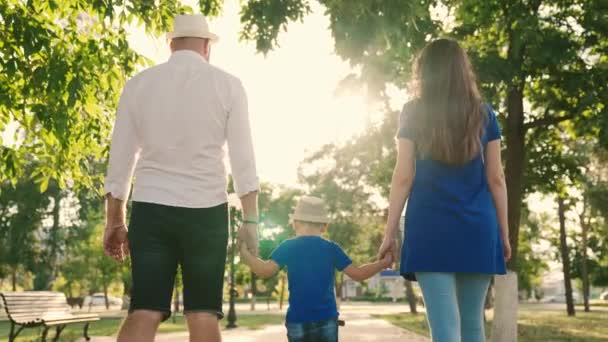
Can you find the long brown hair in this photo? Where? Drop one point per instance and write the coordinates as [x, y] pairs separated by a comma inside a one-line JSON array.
[[449, 114]]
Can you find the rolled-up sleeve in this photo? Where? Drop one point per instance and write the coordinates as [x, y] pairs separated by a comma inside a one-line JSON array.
[[124, 150], [240, 144]]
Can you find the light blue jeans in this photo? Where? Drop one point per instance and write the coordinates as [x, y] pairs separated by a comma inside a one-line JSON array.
[[454, 305]]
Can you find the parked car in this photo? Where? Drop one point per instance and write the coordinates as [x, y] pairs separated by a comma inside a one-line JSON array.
[[98, 299], [604, 296], [561, 298]]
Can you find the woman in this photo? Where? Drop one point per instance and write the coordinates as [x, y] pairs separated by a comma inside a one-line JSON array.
[[449, 167]]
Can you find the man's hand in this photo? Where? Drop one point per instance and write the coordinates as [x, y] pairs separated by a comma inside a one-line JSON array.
[[248, 234], [115, 242]]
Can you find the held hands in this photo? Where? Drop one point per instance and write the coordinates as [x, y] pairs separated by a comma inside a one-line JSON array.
[[389, 250], [387, 261], [115, 241]]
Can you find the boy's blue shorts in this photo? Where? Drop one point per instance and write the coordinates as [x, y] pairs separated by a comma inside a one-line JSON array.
[[321, 331]]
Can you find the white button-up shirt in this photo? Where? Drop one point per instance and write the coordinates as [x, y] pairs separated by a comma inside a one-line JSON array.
[[172, 124]]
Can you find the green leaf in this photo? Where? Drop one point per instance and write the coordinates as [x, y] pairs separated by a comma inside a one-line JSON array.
[[44, 184]]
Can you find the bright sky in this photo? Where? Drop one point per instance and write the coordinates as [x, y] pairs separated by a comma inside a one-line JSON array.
[[293, 103]]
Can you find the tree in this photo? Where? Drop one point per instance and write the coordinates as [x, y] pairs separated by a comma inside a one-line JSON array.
[[593, 184], [510, 44], [565, 256], [62, 65], [22, 210], [531, 262], [84, 264]]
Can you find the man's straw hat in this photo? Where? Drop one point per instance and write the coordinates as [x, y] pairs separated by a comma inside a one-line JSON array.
[[191, 25]]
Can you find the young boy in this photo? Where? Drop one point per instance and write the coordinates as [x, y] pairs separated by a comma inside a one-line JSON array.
[[311, 261]]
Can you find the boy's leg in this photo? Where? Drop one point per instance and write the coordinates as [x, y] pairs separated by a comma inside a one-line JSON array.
[[296, 332], [326, 331], [439, 292], [471, 293]]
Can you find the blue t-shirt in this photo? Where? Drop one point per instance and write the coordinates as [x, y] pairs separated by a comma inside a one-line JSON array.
[[450, 220], [311, 262]]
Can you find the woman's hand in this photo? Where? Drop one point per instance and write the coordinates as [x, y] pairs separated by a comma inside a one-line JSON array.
[[388, 246], [506, 247]]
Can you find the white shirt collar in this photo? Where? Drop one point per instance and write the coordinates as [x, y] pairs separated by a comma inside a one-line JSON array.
[[186, 55]]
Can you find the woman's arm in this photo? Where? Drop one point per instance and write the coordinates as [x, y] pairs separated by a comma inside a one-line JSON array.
[[498, 189], [264, 269], [360, 273], [401, 184]]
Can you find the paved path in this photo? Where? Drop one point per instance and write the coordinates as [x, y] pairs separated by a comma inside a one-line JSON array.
[[356, 330], [360, 327]]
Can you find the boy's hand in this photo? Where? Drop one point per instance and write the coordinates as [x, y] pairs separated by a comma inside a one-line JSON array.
[[387, 261]]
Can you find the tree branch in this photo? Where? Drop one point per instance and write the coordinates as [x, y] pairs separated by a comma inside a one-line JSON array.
[[547, 120]]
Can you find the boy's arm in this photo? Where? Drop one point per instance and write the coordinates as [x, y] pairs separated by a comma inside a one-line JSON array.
[[360, 273], [263, 269]]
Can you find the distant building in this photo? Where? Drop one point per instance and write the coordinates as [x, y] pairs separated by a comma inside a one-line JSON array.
[[388, 283]]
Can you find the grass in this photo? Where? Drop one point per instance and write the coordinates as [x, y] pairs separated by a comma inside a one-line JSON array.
[[109, 326], [533, 325]]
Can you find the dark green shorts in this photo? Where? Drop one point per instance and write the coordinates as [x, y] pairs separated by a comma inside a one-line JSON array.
[[160, 238]]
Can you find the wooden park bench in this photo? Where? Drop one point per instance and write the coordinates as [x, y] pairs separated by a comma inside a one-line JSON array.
[[41, 309]]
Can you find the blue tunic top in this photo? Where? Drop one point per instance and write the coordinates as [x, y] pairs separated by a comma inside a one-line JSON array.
[[450, 220]]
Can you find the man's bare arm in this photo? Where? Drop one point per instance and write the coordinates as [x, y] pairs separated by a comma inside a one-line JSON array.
[[116, 211], [249, 203]]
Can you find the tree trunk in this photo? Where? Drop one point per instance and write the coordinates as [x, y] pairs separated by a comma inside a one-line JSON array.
[[254, 290], [126, 294], [489, 304], [584, 266], [175, 303], [411, 297], [283, 281], [504, 328], [515, 136], [561, 210], [339, 285], [14, 278], [45, 272], [105, 296], [504, 324]]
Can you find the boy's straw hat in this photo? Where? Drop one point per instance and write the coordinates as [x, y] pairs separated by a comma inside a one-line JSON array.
[[310, 209]]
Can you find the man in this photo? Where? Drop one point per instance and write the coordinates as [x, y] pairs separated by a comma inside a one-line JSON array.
[[172, 123]]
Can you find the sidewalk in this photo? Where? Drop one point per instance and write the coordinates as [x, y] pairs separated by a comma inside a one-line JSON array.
[[360, 326], [356, 330]]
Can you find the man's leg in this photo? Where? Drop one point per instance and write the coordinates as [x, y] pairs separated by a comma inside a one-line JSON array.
[[203, 327], [153, 269], [202, 244], [140, 326]]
